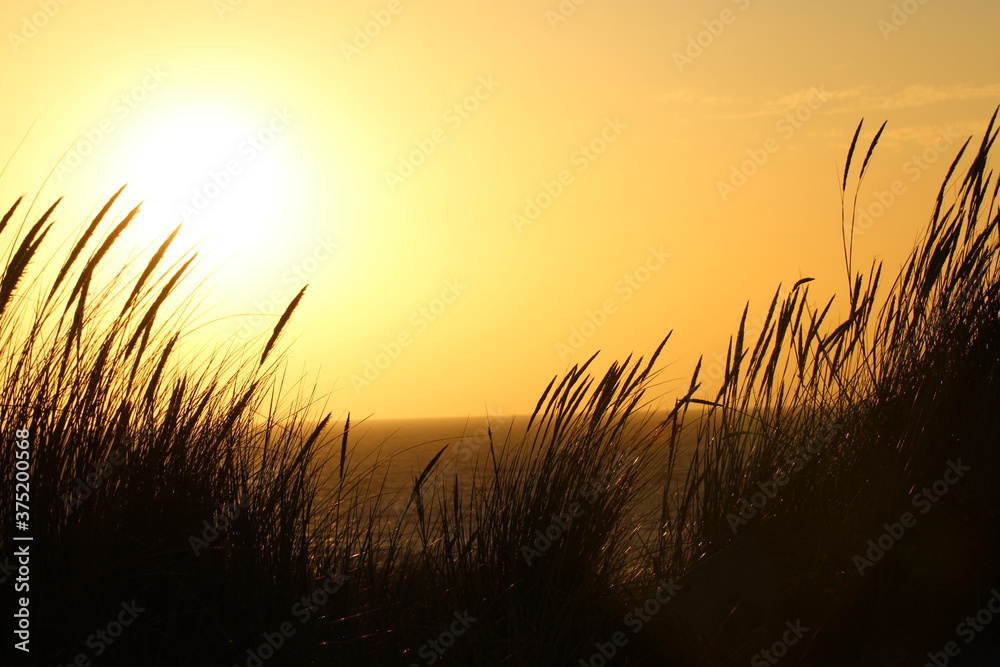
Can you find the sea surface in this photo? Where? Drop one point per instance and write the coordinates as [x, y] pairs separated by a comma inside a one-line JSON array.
[[389, 455], [400, 449]]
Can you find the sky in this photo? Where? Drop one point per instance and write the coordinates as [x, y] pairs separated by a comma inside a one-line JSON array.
[[482, 194]]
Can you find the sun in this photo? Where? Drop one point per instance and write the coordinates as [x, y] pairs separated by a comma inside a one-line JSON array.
[[228, 174]]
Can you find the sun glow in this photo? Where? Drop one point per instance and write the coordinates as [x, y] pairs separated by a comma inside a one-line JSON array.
[[229, 176]]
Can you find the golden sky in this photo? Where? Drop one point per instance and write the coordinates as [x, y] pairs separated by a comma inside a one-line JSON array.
[[482, 194]]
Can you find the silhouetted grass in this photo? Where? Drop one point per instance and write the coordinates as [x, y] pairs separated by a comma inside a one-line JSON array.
[[562, 531]]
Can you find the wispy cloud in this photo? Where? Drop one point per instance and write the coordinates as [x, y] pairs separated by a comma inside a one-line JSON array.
[[923, 95], [867, 98], [697, 97]]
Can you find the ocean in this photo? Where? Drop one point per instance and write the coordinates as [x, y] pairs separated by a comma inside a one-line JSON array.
[[390, 454], [400, 449]]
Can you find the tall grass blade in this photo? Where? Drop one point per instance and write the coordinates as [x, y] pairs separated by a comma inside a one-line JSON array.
[[282, 321]]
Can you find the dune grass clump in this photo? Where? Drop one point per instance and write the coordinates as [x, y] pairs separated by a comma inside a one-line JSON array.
[[692, 537], [855, 418], [854, 414], [157, 476]]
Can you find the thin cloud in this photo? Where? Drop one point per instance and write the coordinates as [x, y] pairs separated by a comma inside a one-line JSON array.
[[923, 95], [868, 98]]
